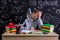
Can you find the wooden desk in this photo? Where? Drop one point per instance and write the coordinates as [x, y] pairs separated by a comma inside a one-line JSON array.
[[12, 36]]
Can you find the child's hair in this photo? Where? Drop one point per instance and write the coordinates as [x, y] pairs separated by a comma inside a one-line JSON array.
[[31, 10], [36, 10]]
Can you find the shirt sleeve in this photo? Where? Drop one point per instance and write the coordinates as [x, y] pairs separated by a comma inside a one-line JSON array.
[[40, 23], [28, 25]]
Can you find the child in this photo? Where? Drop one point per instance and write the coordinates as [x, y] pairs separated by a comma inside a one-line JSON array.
[[33, 19]]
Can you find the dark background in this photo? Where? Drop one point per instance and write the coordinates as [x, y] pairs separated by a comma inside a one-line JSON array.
[[16, 11]]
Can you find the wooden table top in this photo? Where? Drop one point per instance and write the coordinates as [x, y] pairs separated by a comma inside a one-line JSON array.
[[23, 35]]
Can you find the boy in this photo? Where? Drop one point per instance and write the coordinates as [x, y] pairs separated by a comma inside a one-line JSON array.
[[33, 20]]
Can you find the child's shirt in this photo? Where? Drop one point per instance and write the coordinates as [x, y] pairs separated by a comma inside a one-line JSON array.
[[28, 24]]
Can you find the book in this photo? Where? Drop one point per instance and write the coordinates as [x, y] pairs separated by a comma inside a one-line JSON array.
[[47, 28]]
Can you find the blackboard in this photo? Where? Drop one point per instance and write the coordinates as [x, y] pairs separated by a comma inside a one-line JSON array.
[[17, 9]]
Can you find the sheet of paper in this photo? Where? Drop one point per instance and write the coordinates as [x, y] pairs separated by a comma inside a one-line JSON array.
[[26, 31]]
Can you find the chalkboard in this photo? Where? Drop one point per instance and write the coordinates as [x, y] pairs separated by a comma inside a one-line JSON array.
[[17, 9]]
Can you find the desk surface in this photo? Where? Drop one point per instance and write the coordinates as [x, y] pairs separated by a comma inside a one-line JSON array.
[[22, 35]]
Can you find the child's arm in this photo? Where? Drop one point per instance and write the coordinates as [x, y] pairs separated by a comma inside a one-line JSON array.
[[40, 20], [28, 25], [40, 23]]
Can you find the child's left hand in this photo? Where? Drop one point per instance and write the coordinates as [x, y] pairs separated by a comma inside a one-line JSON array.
[[40, 14]]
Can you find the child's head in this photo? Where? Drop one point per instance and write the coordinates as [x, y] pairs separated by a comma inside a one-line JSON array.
[[36, 14]]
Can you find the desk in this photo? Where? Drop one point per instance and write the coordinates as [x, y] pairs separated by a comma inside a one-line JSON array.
[[12, 36]]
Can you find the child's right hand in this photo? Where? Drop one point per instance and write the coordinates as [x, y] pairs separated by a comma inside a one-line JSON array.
[[32, 28]]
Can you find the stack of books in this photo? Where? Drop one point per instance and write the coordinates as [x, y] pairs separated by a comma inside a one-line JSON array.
[[47, 28]]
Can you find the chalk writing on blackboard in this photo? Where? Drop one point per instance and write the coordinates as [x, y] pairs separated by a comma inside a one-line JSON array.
[[45, 21], [57, 25], [4, 15], [3, 8], [57, 21], [16, 1], [56, 18], [32, 2], [51, 19], [47, 16], [4, 2], [54, 8], [20, 18], [48, 3], [58, 11]]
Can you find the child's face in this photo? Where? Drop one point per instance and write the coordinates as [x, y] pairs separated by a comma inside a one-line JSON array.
[[36, 15]]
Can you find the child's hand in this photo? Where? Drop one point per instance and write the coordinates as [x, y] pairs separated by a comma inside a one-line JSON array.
[[40, 14], [32, 28]]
